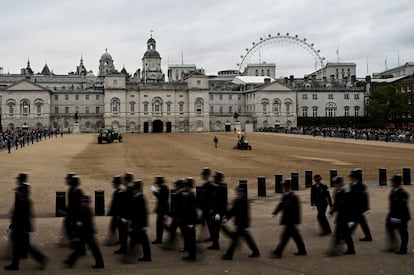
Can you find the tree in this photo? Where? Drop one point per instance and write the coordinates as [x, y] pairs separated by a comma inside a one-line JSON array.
[[386, 104]]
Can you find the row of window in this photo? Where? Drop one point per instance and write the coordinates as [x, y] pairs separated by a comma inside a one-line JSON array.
[[87, 110], [230, 97], [25, 108], [157, 107], [330, 96], [330, 111], [77, 97]]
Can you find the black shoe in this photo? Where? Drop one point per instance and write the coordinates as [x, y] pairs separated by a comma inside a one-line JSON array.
[[226, 257], [276, 255], [11, 267], [254, 255], [213, 247], [67, 264], [300, 253], [144, 259], [120, 251], [98, 266], [183, 250], [156, 242], [189, 258], [349, 252], [401, 252], [366, 239]]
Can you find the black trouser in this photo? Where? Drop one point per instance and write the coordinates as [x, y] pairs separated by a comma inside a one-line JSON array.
[[402, 228], [159, 226], [290, 231], [80, 250], [241, 232], [323, 221], [140, 236], [21, 244], [69, 227], [189, 235], [343, 232], [214, 227], [360, 219], [122, 233]]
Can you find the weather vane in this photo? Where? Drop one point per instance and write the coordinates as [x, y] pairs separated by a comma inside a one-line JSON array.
[[151, 31]]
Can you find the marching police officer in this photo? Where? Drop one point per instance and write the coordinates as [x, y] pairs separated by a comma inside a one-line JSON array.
[[342, 209], [290, 219], [175, 208], [240, 210], [188, 219], [359, 204], [398, 216], [72, 210], [320, 198], [139, 221], [162, 193]]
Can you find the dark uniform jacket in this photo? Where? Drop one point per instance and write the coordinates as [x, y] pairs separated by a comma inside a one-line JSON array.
[[341, 206], [74, 197], [22, 214], [291, 209], [84, 224], [139, 213], [359, 198], [206, 197], [188, 214], [163, 197], [320, 196], [240, 210], [118, 202], [399, 205]]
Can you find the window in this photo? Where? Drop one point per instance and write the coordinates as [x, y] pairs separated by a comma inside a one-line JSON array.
[[115, 106], [315, 111], [168, 107], [86, 97], [221, 109], [199, 106], [288, 108], [276, 106], [157, 106], [115, 82], [56, 110], [56, 97], [356, 108], [145, 108], [25, 108], [221, 97], [11, 110], [66, 110], [76, 97], [97, 97], [314, 96], [87, 110], [132, 107], [305, 96], [66, 97], [97, 110], [346, 111], [346, 96], [38, 109], [230, 97], [239, 109], [211, 97], [305, 111], [330, 96], [356, 96], [181, 108], [264, 108], [330, 110], [198, 82], [77, 109], [239, 97], [230, 109], [211, 109]]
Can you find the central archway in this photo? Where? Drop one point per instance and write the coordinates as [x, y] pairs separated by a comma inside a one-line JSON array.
[[157, 126]]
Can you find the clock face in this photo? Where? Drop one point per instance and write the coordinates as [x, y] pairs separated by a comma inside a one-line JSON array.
[[152, 64]]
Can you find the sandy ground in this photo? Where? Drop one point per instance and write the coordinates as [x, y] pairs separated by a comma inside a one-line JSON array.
[[181, 155]]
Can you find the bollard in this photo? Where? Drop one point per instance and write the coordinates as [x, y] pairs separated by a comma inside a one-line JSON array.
[[406, 176], [261, 186], [243, 184], [332, 173], [99, 203], [295, 180], [382, 176], [60, 210], [308, 178], [278, 183]]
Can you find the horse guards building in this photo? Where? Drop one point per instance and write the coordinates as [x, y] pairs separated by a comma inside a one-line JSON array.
[[189, 101]]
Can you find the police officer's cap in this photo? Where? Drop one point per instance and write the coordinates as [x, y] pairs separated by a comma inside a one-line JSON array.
[[355, 173], [179, 183], [22, 177], [117, 180], [159, 180], [397, 179], [69, 175], [75, 181], [128, 177], [218, 176], [189, 182], [317, 177], [206, 171], [338, 180]]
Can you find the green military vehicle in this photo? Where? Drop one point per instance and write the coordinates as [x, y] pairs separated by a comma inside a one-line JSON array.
[[109, 135]]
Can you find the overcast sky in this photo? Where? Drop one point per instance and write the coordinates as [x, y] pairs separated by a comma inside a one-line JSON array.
[[211, 34]]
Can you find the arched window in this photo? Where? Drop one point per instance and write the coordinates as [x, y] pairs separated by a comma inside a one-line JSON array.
[[145, 107], [157, 106], [11, 109], [181, 107], [315, 111], [304, 111], [330, 110], [199, 106], [288, 104], [356, 111], [276, 106], [39, 106], [132, 107], [87, 125], [24, 108], [346, 111], [115, 106], [265, 102]]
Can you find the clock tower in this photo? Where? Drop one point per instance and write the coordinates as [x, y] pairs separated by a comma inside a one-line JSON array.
[[151, 64]]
